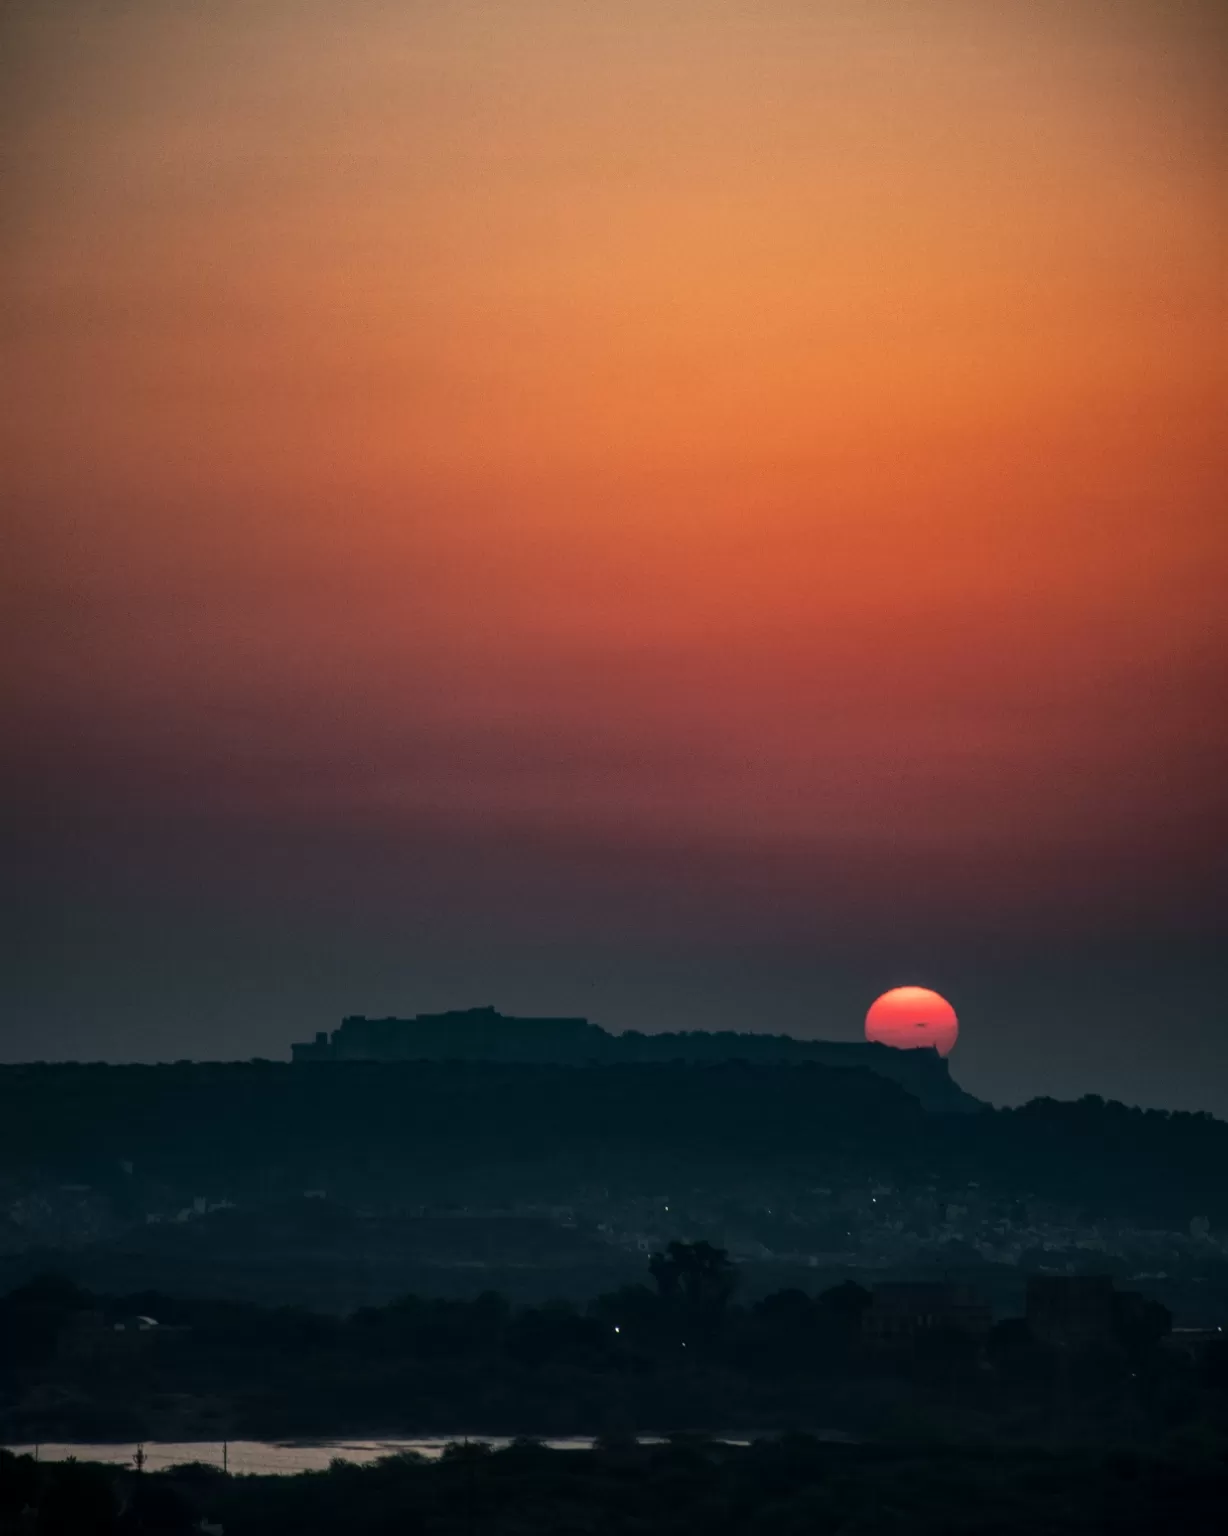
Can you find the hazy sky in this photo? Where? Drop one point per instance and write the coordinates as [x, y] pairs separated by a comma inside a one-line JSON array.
[[690, 512]]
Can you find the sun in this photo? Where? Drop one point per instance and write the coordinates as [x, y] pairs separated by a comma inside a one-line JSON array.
[[910, 1017]]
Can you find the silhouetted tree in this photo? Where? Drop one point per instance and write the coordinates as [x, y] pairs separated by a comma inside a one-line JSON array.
[[698, 1279], [32, 1317], [845, 1303], [18, 1484], [156, 1508], [80, 1501], [1141, 1324]]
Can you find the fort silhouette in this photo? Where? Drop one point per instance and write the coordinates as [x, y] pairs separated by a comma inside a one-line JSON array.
[[485, 1034]]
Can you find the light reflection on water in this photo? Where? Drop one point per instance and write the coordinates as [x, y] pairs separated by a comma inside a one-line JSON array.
[[269, 1456]]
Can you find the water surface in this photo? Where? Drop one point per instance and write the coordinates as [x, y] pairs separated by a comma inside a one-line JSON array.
[[271, 1456]]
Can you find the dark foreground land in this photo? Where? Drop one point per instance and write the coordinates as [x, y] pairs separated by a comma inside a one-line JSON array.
[[791, 1486]]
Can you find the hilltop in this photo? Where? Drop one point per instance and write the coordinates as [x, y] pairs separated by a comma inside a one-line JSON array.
[[485, 1034]]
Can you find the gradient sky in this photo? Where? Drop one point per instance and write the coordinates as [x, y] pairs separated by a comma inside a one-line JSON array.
[[694, 513]]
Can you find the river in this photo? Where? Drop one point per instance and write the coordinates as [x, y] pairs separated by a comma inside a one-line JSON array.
[[284, 1457]]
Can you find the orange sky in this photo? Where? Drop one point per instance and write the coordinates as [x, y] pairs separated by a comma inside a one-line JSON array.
[[796, 424]]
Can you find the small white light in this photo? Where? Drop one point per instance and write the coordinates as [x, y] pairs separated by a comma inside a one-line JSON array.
[[617, 1329]]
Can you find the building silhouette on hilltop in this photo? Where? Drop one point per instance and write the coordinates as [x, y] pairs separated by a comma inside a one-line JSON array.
[[464, 1034], [485, 1034]]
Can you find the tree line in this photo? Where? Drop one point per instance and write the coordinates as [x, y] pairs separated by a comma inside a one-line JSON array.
[[678, 1352]]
